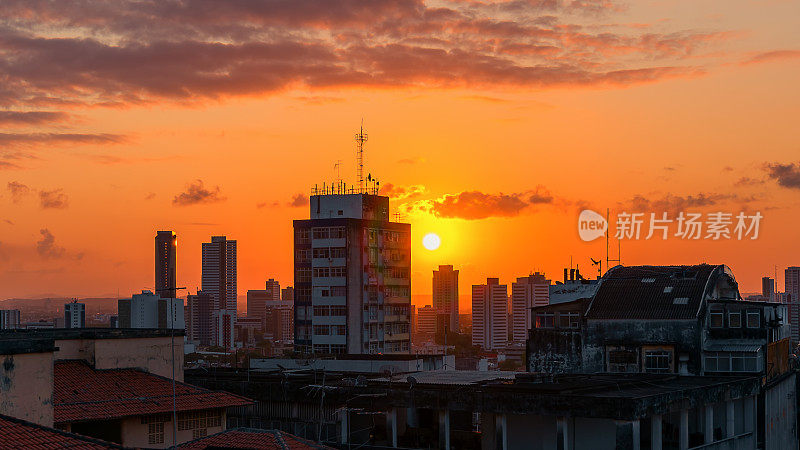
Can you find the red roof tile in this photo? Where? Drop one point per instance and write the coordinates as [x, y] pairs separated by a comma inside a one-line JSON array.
[[82, 393], [16, 433], [252, 438]]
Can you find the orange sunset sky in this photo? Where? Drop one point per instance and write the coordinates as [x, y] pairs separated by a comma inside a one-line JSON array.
[[491, 124]]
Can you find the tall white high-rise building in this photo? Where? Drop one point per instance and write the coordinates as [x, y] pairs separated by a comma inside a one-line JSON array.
[[219, 272], [490, 314], [792, 288], [352, 281], [74, 315], [527, 292], [9, 319], [445, 298]]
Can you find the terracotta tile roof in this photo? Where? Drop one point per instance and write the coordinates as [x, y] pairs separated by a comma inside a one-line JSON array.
[[252, 438], [16, 433], [82, 393]]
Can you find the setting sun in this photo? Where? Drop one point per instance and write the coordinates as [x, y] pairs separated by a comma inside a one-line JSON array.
[[431, 241]]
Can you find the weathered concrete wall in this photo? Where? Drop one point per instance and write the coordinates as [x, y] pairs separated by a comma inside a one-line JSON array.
[[531, 432], [554, 351], [683, 334], [780, 407], [148, 353], [82, 349], [26, 387]]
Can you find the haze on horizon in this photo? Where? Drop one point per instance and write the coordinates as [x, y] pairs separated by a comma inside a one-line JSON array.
[[491, 124]]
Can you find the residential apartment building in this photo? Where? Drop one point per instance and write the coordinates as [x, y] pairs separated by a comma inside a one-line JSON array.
[[526, 293], [74, 315], [427, 320], [200, 318], [149, 310], [792, 288], [219, 272], [165, 265], [352, 285], [445, 297], [9, 319], [490, 314]]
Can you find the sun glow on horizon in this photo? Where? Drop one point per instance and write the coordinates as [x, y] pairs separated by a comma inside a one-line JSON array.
[[431, 241]]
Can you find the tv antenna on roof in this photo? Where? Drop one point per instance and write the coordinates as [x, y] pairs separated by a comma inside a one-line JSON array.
[[361, 137]]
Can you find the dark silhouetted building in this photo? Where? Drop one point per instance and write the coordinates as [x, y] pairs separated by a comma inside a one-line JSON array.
[[445, 298], [166, 248]]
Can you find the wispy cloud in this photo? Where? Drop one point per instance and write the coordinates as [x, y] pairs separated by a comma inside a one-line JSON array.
[[786, 175], [55, 199], [46, 247]]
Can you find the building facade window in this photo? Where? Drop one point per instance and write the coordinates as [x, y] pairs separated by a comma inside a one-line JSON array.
[[545, 320], [753, 319], [658, 361], [735, 319], [717, 318], [732, 362], [568, 320], [622, 361]]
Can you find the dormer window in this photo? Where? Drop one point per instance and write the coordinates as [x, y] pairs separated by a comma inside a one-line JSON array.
[[717, 318]]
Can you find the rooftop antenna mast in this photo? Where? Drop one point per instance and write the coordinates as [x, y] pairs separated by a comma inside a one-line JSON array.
[[619, 247], [361, 137]]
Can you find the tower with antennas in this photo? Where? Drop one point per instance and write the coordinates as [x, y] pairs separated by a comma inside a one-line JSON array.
[[352, 269]]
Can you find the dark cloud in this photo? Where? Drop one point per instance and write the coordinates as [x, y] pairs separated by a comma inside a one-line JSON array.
[[196, 194], [12, 139], [787, 175], [55, 199], [472, 205], [47, 247], [31, 117], [18, 191], [402, 192], [132, 52], [540, 196], [298, 201]]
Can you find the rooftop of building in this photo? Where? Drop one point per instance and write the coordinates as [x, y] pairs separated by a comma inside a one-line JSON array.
[[251, 438], [85, 333], [82, 393], [17, 433], [657, 292]]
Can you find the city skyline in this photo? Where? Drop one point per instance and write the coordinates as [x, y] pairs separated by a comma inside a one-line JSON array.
[[613, 105]]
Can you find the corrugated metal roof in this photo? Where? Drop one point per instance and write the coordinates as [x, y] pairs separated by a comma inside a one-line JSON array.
[[643, 292], [727, 347]]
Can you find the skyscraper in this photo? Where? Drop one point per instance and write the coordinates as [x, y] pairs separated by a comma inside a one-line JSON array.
[[219, 272], [74, 315], [166, 248], [445, 297], [792, 288], [352, 277], [768, 289], [527, 292], [490, 314]]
